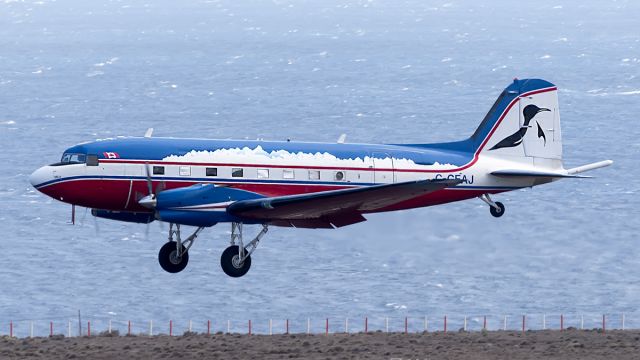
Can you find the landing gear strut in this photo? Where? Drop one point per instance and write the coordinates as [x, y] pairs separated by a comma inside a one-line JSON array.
[[496, 208], [236, 259], [174, 255]]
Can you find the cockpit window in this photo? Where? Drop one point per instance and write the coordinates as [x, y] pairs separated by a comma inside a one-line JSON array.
[[73, 158]]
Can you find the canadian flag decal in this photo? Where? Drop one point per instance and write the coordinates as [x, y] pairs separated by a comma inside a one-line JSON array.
[[111, 155]]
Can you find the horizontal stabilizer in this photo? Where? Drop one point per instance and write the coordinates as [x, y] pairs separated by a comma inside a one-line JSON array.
[[583, 168], [534, 173]]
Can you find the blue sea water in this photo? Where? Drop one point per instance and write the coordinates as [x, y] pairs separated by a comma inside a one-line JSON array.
[[379, 71]]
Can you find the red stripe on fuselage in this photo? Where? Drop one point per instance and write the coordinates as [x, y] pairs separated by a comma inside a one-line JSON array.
[[112, 194]]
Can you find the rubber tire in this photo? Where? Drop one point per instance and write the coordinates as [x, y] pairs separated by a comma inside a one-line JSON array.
[[226, 262], [164, 258], [495, 212]]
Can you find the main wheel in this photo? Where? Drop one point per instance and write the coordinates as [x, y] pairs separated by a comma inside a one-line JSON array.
[[230, 262], [169, 260], [497, 212]]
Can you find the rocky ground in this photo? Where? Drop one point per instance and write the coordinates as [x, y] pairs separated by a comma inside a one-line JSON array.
[[569, 344]]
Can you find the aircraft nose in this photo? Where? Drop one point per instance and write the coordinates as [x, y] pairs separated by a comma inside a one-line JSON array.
[[40, 176]]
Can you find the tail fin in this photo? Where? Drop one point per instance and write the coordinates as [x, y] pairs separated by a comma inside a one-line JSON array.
[[523, 125]]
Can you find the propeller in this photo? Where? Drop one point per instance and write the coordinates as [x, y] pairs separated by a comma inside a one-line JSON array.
[[150, 200]]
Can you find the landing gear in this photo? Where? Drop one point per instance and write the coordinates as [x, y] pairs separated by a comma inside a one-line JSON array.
[[169, 259], [497, 211], [495, 208], [231, 264], [236, 259], [174, 255]]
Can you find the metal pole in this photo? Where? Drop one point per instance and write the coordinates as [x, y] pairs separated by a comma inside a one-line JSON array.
[[109, 326], [581, 322], [308, 326], [544, 322], [150, 327], [68, 329], [504, 324], [464, 327], [31, 329], [270, 327], [386, 324], [346, 325]]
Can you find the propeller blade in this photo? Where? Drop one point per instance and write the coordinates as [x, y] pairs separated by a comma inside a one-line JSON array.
[[149, 182]]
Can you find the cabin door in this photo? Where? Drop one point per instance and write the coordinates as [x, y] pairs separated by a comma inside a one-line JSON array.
[[383, 171]]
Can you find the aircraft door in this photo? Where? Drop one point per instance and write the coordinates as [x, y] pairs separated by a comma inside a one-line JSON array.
[[383, 172]]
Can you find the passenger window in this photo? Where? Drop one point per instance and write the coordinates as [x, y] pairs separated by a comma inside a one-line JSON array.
[[158, 170], [288, 174], [237, 172], [263, 173], [339, 175], [92, 160], [185, 170], [314, 174], [212, 171]]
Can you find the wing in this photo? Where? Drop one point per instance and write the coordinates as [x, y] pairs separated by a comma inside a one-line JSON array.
[[336, 208]]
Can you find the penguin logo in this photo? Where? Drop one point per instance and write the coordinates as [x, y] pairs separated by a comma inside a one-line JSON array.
[[515, 139]]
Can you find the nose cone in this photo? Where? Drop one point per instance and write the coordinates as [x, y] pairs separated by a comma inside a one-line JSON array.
[[41, 176]]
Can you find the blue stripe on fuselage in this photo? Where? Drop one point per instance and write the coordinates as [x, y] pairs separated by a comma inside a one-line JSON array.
[[154, 149]]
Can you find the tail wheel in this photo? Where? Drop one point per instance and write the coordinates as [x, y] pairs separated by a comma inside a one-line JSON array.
[[497, 212], [230, 262], [169, 260]]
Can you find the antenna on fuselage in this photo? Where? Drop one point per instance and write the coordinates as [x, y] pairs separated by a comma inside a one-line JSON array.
[[148, 133], [342, 138]]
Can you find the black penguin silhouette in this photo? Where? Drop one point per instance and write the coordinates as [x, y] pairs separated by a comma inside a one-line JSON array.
[[541, 134], [515, 139]]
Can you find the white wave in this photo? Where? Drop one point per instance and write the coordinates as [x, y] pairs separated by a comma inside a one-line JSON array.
[[282, 157], [9, 122], [95, 73], [634, 92]]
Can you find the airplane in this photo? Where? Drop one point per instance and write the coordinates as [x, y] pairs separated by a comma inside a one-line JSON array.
[[201, 182]]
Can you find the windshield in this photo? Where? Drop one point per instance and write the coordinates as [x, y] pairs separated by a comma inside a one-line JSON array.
[[73, 158]]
